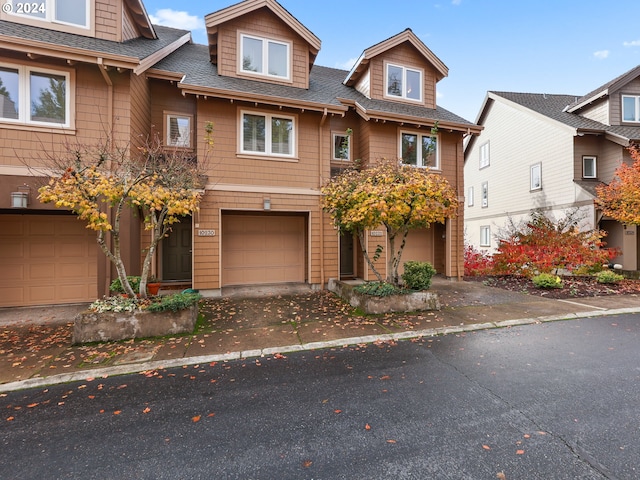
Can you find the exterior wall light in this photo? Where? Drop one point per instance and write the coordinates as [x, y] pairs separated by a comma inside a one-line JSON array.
[[266, 204]]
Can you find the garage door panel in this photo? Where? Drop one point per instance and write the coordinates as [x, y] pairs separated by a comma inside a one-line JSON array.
[[262, 249], [42, 271]]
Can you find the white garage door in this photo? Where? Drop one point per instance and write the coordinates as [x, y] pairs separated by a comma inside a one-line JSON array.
[[46, 260], [259, 249]]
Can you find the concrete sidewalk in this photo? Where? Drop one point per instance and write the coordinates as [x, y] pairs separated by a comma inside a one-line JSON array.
[[36, 348]]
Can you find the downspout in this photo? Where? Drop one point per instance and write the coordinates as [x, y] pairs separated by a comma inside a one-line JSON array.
[[320, 179]]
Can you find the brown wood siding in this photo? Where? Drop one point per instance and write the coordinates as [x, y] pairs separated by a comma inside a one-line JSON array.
[[404, 55], [140, 109], [108, 20], [262, 23], [615, 98], [167, 98], [129, 30]]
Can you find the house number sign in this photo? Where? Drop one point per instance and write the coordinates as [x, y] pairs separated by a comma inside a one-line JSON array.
[[206, 233]]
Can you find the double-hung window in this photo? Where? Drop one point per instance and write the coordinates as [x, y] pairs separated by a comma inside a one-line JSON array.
[[630, 108], [30, 95], [403, 82], [485, 236], [341, 147], [67, 12], [267, 134], [419, 150], [484, 155], [265, 57]]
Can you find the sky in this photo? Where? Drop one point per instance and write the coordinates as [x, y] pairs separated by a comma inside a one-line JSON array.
[[543, 46]]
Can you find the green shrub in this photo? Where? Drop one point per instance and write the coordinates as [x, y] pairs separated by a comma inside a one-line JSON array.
[[175, 302], [607, 276], [417, 275], [378, 289], [116, 285], [546, 280]]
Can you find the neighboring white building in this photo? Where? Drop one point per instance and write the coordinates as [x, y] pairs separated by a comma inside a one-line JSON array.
[[542, 151]]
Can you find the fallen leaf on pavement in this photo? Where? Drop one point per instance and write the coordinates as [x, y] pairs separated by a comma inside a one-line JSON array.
[[486, 447], [195, 419], [519, 452], [367, 427]]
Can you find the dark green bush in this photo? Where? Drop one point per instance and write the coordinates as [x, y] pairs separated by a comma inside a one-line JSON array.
[[378, 289], [546, 280], [116, 285], [175, 302], [417, 275]]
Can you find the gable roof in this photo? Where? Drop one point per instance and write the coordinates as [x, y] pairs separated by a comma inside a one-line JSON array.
[[137, 54], [214, 19], [604, 90], [139, 14], [406, 35], [194, 74]]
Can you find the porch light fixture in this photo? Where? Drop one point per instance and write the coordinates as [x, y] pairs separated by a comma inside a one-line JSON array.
[[266, 204], [20, 199]]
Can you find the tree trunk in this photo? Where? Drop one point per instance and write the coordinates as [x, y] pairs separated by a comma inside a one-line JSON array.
[[361, 239]]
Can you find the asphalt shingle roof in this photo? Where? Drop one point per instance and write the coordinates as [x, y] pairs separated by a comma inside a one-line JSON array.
[[325, 86], [138, 48]]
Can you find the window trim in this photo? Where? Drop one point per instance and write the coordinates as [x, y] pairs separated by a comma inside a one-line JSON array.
[[420, 135], [484, 195], [167, 115], [265, 57], [333, 146], [50, 22], [470, 197], [595, 166], [24, 97], [268, 147], [404, 96], [636, 105], [485, 242], [535, 166], [484, 162]]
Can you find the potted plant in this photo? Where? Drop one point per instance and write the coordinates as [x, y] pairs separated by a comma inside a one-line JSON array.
[[153, 285]]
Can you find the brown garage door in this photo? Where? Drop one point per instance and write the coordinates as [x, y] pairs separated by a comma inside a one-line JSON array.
[[46, 260], [259, 249]]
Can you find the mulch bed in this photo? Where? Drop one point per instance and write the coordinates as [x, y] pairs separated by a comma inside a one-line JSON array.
[[574, 287]]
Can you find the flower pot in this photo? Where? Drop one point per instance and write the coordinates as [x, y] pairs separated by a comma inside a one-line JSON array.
[[153, 288]]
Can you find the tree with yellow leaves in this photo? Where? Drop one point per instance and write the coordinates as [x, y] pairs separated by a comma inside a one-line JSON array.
[[98, 183], [400, 197], [620, 199]]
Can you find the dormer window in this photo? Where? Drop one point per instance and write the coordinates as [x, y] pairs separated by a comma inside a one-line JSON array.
[[630, 108], [66, 12], [261, 56], [404, 83]]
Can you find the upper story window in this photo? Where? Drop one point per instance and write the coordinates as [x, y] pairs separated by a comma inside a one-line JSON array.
[[37, 96], [66, 12], [403, 82], [267, 134], [266, 57], [470, 198], [485, 236], [419, 150], [341, 146], [630, 108], [484, 155], [178, 130], [589, 167], [536, 177], [485, 194]]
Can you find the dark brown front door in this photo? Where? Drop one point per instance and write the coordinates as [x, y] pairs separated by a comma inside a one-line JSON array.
[[346, 255], [176, 252]]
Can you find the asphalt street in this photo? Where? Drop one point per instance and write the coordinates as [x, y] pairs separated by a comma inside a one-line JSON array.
[[556, 400]]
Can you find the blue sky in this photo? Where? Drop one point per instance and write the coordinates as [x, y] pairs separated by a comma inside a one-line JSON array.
[[541, 46]]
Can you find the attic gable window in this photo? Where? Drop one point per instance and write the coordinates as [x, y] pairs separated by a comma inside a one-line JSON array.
[[630, 108], [66, 12], [261, 56], [403, 82]]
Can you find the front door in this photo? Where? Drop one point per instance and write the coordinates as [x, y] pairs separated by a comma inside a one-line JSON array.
[[346, 255], [176, 252]]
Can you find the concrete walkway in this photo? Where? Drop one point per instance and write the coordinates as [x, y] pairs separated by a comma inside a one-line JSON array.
[[36, 348]]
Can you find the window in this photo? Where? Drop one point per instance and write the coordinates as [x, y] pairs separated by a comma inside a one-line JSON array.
[[419, 150], [470, 197], [403, 82], [485, 236], [178, 130], [630, 108], [264, 57], [68, 12], [485, 194], [536, 177], [484, 155], [265, 134], [341, 146], [589, 167], [34, 96]]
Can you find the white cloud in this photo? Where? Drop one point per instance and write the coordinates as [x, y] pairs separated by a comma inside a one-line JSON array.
[[347, 64], [177, 19], [456, 2], [634, 43], [601, 54], [439, 95]]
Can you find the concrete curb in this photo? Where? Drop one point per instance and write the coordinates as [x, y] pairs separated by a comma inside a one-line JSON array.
[[91, 374]]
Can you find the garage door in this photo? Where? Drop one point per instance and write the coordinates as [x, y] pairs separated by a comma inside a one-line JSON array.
[[46, 260], [258, 249]]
